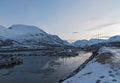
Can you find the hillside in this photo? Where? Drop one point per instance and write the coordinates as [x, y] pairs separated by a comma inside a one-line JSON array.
[[27, 36], [104, 68]]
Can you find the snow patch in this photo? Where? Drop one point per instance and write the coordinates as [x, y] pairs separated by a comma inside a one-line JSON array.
[[95, 72]]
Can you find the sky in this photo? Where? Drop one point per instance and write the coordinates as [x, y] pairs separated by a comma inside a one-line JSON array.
[[70, 19]]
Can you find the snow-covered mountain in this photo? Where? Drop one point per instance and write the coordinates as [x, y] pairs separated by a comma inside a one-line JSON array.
[[114, 39], [56, 39], [6, 33], [83, 43], [66, 42], [32, 35], [80, 43], [28, 35], [103, 68], [96, 41]]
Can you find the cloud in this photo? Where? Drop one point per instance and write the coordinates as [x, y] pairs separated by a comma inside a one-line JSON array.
[[97, 35], [105, 36], [71, 40], [74, 32], [104, 25], [101, 36], [91, 20]]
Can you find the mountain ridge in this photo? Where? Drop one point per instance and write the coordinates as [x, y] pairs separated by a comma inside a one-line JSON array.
[[28, 35]]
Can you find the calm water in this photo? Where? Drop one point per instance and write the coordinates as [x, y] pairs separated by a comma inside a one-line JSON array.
[[42, 69]]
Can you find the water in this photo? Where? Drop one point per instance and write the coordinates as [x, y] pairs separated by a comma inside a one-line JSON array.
[[42, 69]]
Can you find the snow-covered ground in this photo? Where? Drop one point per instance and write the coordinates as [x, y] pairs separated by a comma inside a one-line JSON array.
[[96, 72]]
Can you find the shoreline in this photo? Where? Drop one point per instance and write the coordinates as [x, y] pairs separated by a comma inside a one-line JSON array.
[[80, 67]]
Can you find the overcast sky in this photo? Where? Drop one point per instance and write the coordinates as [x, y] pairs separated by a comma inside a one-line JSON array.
[[70, 19]]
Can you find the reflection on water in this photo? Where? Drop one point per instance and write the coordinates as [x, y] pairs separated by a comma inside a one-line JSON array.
[[42, 69]]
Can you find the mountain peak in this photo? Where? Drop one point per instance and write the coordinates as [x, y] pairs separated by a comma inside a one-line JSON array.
[[23, 29]]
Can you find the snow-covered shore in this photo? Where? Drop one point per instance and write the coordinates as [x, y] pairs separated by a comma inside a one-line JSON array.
[[104, 68]]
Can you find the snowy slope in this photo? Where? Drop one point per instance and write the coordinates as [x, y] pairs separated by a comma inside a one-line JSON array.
[[104, 68], [83, 43], [96, 41], [114, 39], [5, 36], [66, 42], [28, 35], [6, 33], [80, 43], [25, 29], [56, 39]]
